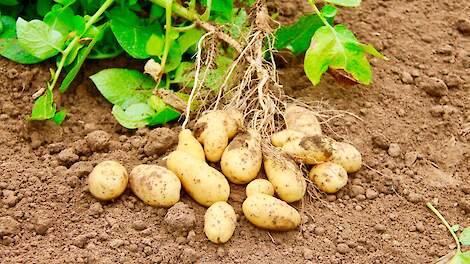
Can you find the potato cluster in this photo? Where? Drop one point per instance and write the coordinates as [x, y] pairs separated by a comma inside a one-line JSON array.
[[219, 136]]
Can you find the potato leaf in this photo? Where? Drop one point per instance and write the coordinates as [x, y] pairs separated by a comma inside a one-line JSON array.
[[189, 39], [164, 116], [39, 39], [9, 2], [337, 48], [155, 45], [221, 8], [464, 237], [44, 107], [63, 20], [461, 258], [348, 3], [59, 117], [135, 116]]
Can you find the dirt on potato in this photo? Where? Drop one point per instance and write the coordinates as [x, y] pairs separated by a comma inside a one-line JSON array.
[[413, 132]]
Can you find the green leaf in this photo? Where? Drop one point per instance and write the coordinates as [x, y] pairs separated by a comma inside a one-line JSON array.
[[189, 39], [156, 103], [9, 45], [348, 3], [464, 237], [44, 107], [337, 48], [175, 55], [63, 20], [461, 258], [155, 45], [43, 6], [9, 2], [164, 116], [297, 37], [65, 2], [222, 8], [329, 11], [39, 39], [123, 87], [59, 117], [135, 116]]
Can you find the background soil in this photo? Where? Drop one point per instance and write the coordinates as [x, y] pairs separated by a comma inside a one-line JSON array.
[[412, 134]]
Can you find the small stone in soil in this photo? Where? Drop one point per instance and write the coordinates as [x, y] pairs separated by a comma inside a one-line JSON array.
[[380, 227], [434, 87], [420, 227], [394, 150], [308, 254], [67, 156], [371, 194], [407, 78], [414, 197], [356, 190], [410, 158], [331, 197], [8, 226], [342, 248], [81, 169], [116, 243], [463, 26], [139, 225], [319, 230], [180, 218], [42, 225], [98, 140], [9, 198], [380, 141], [96, 209]]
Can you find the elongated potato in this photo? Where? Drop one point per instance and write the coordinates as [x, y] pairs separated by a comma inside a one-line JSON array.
[[155, 185], [189, 144], [270, 213], [310, 150], [329, 177], [203, 183], [220, 221], [258, 186], [241, 161], [280, 138], [108, 180], [233, 122], [302, 120], [286, 178], [346, 155]]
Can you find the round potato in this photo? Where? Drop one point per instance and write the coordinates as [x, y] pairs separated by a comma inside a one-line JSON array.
[[220, 221], [270, 213], [203, 183], [155, 185], [108, 180], [310, 150], [286, 177], [189, 144], [259, 186], [346, 155], [302, 120], [329, 177], [241, 161], [280, 138]]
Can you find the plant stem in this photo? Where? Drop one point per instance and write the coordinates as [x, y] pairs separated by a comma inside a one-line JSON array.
[[168, 39], [98, 13], [178, 9], [319, 14], [444, 221]]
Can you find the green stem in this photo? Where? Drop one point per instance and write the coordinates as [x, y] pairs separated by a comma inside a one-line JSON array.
[[98, 13], [168, 39], [207, 13], [319, 14], [444, 221], [178, 10]]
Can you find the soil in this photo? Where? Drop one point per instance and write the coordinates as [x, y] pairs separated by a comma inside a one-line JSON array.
[[413, 133]]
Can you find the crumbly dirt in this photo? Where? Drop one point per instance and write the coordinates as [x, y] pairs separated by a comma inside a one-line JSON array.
[[413, 133]]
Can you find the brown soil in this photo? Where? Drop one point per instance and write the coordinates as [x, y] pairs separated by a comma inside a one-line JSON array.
[[411, 133]]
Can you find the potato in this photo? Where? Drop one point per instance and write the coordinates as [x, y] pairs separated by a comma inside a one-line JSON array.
[[155, 185], [286, 178], [189, 144], [329, 177], [280, 138], [270, 213], [234, 122], [220, 221], [214, 130], [302, 120], [241, 160], [310, 150], [346, 155], [259, 186], [203, 183], [108, 180]]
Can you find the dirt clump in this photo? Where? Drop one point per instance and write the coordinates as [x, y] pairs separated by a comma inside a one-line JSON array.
[[180, 218], [160, 140]]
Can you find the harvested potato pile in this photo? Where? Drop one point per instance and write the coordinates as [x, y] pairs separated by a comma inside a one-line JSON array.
[[219, 136]]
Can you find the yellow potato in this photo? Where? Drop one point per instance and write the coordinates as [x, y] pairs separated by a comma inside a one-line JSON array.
[[211, 131], [189, 144], [220, 221], [259, 186], [346, 155], [241, 160], [234, 121], [302, 120], [310, 150], [270, 213], [286, 178], [155, 185], [329, 177], [280, 138], [108, 180], [203, 183]]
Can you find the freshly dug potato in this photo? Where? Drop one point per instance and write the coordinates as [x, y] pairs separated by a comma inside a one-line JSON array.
[[347, 156], [259, 186], [310, 150], [155, 185], [302, 120], [241, 160], [219, 222], [203, 183], [108, 180], [286, 178], [214, 130], [189, 144], [270, 213], [234, 122], [329, 177], [280, 138]]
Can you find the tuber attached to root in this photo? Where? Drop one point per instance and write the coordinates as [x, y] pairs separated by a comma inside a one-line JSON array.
[[220, 221], [108, 180], [310, 149], [302, 120], [259, 186], [329, 177], [189, 144]]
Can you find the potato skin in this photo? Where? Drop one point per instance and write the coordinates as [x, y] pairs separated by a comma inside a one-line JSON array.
[[346, 155], [258, 186], [211, 131], [329, 177], [286, 178], [189, 144], [108, 180], [220, 221], [270, 213], [280, 138], [155, 185], [302, 120], [203, 183], [241, 160], [310, 150]]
